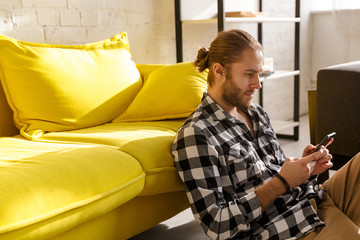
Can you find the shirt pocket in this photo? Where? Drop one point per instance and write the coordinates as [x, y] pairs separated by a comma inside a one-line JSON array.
[[245, 168], [269, 139]]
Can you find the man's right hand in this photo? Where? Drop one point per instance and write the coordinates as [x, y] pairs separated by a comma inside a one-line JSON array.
[[296, 171]]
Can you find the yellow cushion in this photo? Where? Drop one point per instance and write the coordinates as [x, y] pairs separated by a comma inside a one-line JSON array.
[[59, 87], [146, 69], [50, 188], [148, 142], [170, 92]]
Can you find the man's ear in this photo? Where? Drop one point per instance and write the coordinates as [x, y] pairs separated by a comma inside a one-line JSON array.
[[219, 71]]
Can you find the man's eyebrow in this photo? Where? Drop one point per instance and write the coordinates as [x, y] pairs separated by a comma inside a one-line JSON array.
[[253, 70]]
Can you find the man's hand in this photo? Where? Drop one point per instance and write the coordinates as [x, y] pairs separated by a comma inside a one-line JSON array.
[[310, 148], [323, 163], [297, 171]]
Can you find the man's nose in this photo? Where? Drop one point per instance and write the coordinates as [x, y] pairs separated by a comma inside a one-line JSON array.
[[257, 82]]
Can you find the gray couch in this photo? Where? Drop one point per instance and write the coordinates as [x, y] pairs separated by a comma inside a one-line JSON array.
[[335, 107]]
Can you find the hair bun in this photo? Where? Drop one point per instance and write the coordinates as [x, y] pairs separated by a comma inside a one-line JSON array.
[[202, 60]]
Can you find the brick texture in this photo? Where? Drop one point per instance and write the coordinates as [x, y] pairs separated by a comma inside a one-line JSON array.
[[149, 23]]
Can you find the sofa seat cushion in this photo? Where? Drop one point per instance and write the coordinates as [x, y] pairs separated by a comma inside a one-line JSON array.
[[148, 142], [49, 188]]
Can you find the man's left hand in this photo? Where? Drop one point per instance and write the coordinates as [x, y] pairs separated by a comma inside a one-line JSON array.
[[322, 163]]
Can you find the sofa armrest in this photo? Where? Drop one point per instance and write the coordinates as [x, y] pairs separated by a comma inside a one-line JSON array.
[[338, 107]]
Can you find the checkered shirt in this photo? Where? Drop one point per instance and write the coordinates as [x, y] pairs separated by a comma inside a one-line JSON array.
[[221, 164]]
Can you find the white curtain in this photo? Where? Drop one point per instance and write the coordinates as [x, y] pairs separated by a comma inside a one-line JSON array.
[[345, 4], [346, 17]]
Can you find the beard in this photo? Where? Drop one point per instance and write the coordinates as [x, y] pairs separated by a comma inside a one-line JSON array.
[[235, 95]]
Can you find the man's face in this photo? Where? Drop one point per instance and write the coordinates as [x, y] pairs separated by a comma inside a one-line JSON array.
[[243, 80]]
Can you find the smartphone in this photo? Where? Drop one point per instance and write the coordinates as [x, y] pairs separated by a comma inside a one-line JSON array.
[[325, 141]]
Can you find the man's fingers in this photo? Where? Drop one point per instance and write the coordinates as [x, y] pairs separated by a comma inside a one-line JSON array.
[[310, 148], [290, 159], [325, 159], [331, 140], [327, 165], [312, 157]]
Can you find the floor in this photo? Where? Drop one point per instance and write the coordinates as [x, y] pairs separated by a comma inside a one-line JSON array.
[[184, 227]]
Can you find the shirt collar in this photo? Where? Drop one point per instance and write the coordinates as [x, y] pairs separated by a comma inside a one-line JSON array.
[[218, 112]]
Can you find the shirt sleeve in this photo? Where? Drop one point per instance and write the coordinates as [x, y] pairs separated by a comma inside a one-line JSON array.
[[197, 162]]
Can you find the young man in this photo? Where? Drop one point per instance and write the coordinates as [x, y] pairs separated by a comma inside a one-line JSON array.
[[239, 182]]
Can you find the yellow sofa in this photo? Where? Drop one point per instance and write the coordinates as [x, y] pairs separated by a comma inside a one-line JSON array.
[[85, 138]]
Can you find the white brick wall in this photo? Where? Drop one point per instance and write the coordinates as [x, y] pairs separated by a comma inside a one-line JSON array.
[[70, 18], [24, 17], [149, 23], [11, 3], [48, 17], [85, 4], [44, 3], [5, 19], [89, 18]]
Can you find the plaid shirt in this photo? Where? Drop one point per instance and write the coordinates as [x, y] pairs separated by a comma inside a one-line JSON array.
[[222, 164]]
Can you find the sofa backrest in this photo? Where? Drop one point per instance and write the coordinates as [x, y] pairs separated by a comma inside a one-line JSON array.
[[7, 125], [338, 107]]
